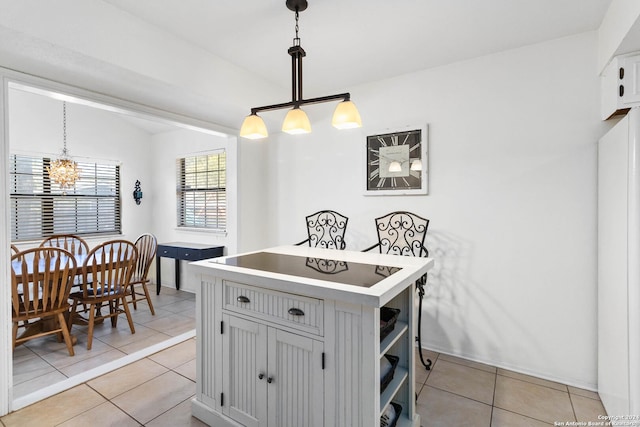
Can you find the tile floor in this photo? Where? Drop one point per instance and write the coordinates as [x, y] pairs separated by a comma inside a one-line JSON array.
[[157, 390], [42, 362], [458, 392]]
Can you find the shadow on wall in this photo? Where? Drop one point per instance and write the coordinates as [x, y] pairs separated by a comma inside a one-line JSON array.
[[455, 307]]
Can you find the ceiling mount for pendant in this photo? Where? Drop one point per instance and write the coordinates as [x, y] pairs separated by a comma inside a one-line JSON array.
[[345, 116], [297, 5]]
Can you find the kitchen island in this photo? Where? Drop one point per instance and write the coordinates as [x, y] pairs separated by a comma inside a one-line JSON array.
[[291, 336]]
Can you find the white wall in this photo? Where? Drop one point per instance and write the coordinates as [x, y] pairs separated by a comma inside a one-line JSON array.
[[164, 150], [35, 126], [35, 123], [512, 179], [619, 32], [512, 200]]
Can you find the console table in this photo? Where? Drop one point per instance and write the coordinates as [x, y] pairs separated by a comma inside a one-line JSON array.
[[184, 251]]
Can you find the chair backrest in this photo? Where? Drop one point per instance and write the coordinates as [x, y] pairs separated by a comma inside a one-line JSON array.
[[41, 279], [147, 246], [74, 244], [402, 233], [14, 249], [326, 229], [108, 268]]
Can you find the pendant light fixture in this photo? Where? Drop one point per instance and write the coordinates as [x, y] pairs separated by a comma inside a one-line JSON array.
[[345, 116], [64, 171]]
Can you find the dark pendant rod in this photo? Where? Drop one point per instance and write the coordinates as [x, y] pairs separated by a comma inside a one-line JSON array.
[[300, 102]]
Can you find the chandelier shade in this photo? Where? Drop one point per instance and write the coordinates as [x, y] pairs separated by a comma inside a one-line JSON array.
[[64, 171], [346, 115]]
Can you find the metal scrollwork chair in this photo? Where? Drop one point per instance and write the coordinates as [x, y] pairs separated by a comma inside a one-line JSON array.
[[326, 230], [403, 233]]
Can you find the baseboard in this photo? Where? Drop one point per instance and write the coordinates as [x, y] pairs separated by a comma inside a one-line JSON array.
[[518, 369]]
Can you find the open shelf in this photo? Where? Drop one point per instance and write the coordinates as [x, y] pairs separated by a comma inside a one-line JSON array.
[[389, 393], [389, 340]]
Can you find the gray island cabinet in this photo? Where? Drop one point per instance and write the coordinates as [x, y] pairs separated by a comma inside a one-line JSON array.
[[290, 337]]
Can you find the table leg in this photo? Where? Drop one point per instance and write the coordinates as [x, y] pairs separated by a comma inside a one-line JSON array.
[[177, 274], [158, 280]]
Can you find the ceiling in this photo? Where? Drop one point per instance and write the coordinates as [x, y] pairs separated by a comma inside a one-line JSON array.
[[352, 42]]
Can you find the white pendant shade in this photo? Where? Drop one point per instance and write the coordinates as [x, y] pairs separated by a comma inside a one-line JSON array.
[[253, 127], [416, 165], [296, 122], [346, 116]]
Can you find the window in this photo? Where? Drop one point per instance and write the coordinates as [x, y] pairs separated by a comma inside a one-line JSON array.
[[39, 208], [202, 191]]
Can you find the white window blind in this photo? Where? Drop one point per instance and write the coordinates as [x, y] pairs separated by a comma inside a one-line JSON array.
[[202, 191], [39, 208]]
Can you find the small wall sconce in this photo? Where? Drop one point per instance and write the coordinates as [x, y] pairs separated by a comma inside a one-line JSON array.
[[137, 193]]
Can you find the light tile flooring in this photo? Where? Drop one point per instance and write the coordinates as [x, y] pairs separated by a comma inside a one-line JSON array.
[[42, 362], [457, 392], [157, 390]]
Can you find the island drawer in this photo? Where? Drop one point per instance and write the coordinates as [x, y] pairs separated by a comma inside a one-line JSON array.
[[302, 313]]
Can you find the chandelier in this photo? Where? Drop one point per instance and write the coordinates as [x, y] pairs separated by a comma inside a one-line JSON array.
[[64, 171], [345, 116]]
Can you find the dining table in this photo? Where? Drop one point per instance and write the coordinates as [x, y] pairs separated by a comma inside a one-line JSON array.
[[47, 323]]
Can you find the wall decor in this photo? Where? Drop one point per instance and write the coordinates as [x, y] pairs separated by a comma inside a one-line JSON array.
[[137, 192], [396, 162]]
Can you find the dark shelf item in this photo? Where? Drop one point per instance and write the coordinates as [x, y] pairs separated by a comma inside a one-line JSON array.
[[388, 317], [398, 409], [389, 376]]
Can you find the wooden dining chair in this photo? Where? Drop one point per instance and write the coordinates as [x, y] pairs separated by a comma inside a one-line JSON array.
[[14, 249], [106, 273], [41, 280], [74, 244], [325, 229], [147, 246]]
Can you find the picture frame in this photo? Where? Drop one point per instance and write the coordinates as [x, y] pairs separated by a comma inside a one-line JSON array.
[[396, 162]]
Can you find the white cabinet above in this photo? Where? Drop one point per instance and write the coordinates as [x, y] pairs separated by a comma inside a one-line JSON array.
[[620, 85]]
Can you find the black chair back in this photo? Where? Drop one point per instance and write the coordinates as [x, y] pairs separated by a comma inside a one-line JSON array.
[[326, 230], [401, 233]]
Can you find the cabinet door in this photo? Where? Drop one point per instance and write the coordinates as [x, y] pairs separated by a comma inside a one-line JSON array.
[[295, 394], [631, 80], [244, 348]]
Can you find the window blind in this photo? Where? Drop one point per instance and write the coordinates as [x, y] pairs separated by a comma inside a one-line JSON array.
[[202, 191], [40, 208]]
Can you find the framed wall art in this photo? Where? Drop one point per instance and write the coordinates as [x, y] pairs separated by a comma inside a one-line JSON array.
[[396, 162]]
